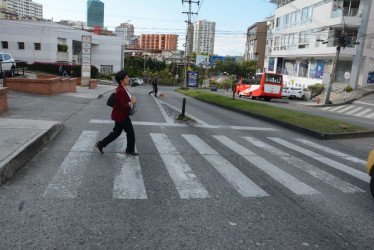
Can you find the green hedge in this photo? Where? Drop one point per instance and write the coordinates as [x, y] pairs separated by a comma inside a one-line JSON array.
[[52, 68], [316, 89]]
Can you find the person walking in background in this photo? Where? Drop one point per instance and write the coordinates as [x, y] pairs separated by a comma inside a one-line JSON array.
[[155, 88], [60, 70], [72, 73], [121, 116]]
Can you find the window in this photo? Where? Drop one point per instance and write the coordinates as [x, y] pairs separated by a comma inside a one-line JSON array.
[[294, 19], [37, 46], [4, 44], [304, 39], [306, 15], [21, 45], [286, 20]]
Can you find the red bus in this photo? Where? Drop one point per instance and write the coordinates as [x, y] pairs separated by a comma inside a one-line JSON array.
[[265, 85]]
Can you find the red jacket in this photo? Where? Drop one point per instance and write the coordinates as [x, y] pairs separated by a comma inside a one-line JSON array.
[[121, 106]]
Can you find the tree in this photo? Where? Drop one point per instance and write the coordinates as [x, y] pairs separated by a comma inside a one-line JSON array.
[[236, 70]]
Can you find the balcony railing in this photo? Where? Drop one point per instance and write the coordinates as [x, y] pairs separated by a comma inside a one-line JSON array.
[[354, 12]]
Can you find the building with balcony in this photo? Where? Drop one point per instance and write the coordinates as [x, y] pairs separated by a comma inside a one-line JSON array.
[[203, 37], [39, 41], [26, 8], [159, 42], [302, 36], [95, 13], [256, 43]]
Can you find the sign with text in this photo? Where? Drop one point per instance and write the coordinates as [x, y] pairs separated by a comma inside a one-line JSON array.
[[220, 58], [86, 59], [192, 79]]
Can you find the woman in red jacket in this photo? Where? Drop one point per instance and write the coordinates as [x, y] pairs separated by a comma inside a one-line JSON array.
[[120, 114]]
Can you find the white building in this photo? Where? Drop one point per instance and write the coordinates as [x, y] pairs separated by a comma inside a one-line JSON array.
[[203, 36], [126, 31], [38, 42], [26, 8], [301, 41]]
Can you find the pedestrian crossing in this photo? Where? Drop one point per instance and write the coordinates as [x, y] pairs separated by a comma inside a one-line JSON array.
[[129, 184], [352, 110]]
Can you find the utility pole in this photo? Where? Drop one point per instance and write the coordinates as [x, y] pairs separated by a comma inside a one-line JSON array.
[[356, 65], [188, 44], [342, 42]]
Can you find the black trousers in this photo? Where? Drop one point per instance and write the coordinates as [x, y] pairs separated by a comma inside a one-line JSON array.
[[155, 89], [126, 125]]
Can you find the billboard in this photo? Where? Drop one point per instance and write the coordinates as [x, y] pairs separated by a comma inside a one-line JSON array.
[[192, 79], [202, 60], [221, 58]]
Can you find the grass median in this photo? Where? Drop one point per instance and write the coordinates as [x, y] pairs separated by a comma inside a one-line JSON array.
[[316, 123]]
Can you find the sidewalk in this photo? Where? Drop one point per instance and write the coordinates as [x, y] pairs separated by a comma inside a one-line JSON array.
[[24, 131]]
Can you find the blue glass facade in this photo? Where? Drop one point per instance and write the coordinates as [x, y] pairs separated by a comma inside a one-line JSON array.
[[95, 13]]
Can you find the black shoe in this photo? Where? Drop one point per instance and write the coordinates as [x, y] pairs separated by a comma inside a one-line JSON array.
[[99, 147], [149, 93], [132, 154]]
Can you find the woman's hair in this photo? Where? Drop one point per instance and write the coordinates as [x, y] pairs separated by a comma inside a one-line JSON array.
[[120, 76]]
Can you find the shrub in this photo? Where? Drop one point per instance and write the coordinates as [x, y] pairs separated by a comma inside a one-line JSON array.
[[52, 68], [62, 48], [348, 89], [316, 89]]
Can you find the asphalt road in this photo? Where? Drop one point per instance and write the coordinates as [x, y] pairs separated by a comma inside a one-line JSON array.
[[227, 182]]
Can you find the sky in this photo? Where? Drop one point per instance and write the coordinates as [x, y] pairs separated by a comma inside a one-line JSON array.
[[232, 17]]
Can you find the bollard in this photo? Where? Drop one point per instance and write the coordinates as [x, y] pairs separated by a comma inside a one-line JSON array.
[[183, 106]]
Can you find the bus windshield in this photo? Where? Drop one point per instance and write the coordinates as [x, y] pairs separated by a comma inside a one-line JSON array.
[[270, 78]]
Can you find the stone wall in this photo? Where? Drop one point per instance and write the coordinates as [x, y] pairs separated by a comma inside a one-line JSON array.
[[43, 85], [3, 99]]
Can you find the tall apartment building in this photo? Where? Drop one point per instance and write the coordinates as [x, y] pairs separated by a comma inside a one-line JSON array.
[[203, 36], [126, 31], [25, 8], [256, 43], [159, 41], [95, 13], [302, 37]]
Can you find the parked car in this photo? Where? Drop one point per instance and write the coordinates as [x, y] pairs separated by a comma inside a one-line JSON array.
[[370, 170], [136, 82], [7, 64], [213, 88], [285, 91], [299, 93]]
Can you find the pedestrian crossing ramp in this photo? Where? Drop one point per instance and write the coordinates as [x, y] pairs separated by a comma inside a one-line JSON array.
[[336, 170]]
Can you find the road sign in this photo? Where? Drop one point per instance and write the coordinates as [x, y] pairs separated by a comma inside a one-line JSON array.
[[347, 75]]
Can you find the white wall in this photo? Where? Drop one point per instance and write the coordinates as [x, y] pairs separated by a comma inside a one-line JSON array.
[[106, 51]]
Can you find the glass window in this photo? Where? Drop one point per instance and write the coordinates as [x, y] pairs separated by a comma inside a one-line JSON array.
[[270, 78], [37, 46], [306, 15], [286, 20], [4, 44], [21, 45]]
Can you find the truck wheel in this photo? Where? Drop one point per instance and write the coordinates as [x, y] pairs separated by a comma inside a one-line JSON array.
[[372, 186]]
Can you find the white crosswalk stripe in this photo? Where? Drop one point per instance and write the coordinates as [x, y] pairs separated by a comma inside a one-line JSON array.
[[331, 151], [346, 108], [304, 166], [352, 110], [186, 182], [325, 160], [278, 174], [128, 182], [69, 176], [242, 184]]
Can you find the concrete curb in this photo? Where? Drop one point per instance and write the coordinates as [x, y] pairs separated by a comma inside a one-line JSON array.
[[296, 128], [15, 161]]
